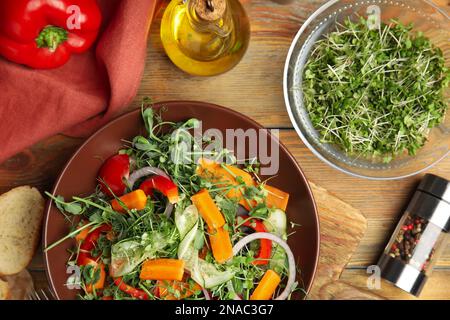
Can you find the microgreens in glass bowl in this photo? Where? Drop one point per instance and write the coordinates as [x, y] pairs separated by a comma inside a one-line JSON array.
[[366, 86]]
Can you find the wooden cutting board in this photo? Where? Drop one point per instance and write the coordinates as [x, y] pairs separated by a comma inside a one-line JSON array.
[[341, 229]]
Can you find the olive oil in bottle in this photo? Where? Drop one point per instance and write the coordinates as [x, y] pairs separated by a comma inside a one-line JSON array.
[[205, 37]]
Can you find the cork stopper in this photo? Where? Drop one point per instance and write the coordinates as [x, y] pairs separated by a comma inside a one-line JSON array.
[[210, 10]]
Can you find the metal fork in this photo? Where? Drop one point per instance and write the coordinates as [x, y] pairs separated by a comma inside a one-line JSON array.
[[41, 294]]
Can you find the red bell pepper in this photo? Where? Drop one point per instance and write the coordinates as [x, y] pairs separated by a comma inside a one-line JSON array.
[[84, 256], [135, 293], [265, 246], [113, 173], [44, 34], [163, 185]]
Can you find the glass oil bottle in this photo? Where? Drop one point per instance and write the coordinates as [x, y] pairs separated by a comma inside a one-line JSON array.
[[205, 37]]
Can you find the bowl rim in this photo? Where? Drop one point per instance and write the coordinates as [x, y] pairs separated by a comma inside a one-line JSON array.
[[292, 117], [213, 106]]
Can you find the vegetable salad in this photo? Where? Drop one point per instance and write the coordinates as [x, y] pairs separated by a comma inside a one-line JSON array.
[[157, 228]]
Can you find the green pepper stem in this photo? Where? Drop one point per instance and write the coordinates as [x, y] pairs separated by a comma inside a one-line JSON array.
[[51, 37]]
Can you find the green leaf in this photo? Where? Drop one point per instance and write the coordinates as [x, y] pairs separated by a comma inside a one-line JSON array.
[[69, 207]]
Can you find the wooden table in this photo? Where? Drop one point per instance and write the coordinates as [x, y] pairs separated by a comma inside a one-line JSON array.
[[254, 88]]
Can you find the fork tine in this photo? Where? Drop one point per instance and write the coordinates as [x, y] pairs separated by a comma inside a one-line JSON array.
[[36, 296], [44, 296], [32, 295], [41, 294], [52, 294]]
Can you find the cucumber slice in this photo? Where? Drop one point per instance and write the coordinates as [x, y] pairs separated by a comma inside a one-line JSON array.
[[187, 243], [276, 223], [186, 219], [187, 225], [208, 276]]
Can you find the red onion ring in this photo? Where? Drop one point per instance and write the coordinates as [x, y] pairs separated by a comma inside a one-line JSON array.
[[168, 210], [291, 261], [143, 172], [206, 294]]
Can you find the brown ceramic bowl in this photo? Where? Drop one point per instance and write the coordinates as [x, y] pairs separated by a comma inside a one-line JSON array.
[[80, 173]]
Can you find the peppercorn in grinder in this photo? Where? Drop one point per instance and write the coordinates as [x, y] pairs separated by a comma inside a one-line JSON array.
[[420, 236]]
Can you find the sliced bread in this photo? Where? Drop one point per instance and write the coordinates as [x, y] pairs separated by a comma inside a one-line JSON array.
[[21, 214]]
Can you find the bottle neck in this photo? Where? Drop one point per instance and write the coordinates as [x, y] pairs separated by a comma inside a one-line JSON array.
[[209, 16]]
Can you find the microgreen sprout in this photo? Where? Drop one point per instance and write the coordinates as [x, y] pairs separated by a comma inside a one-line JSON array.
[[375, 93]]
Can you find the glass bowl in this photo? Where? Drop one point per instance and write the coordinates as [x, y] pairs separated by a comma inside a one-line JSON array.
[[428, 18]]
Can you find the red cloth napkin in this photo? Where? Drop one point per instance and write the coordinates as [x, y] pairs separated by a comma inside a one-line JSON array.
[[85, 93]]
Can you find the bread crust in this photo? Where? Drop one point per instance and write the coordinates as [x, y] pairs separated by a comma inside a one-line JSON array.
[[34, 205]]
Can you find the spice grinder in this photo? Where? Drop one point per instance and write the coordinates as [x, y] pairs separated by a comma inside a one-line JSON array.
[[419, 237]]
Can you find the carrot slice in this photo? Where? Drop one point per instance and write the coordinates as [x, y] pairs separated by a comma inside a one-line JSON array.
[[230, 175], [81, 236], [239, 173], [267, 286], [162, 269], [276, 198], [208, 209], [225, 177], [100, 283], [176, 290], [133, 200], [221, 246]]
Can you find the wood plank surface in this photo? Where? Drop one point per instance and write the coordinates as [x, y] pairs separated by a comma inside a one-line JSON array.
[[254, 88], [437, 287]]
